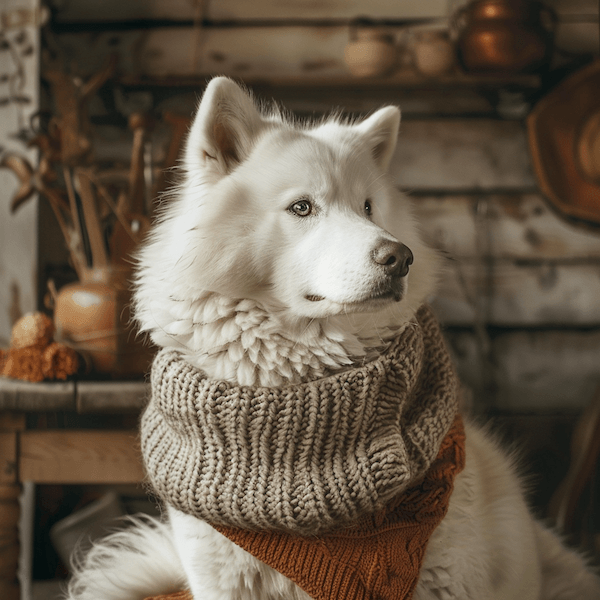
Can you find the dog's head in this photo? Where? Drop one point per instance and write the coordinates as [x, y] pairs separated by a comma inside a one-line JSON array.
[[302, 218]]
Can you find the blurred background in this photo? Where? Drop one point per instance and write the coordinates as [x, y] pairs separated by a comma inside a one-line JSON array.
[[499, 149]]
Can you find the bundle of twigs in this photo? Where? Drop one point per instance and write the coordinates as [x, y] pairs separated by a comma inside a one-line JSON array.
[[102, 214]]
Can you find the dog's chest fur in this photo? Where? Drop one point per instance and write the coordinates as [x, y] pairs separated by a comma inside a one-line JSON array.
[[242, 342]]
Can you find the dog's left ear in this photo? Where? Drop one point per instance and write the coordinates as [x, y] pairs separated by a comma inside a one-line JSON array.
[[381, 133], [225, 128]]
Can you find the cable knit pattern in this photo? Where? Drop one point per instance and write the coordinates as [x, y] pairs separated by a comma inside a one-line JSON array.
[[303, 458]]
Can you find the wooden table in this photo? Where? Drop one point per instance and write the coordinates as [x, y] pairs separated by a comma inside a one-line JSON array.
[[59, 456]]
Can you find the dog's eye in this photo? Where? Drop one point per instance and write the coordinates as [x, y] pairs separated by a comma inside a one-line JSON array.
[[368, 208], [302, 208]]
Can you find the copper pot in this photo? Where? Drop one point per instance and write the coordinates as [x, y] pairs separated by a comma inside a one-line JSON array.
[[505, 36]]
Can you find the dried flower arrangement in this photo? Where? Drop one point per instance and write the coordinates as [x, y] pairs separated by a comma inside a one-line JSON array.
[[102, 213]]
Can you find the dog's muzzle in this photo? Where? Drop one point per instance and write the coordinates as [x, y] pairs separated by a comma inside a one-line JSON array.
[[393, 260]]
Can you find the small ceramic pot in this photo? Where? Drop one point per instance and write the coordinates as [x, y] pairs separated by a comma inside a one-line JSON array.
[[370, 52], [93, 317], [433, 52]]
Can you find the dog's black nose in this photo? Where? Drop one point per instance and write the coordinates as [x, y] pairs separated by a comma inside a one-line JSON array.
[[394, 257]]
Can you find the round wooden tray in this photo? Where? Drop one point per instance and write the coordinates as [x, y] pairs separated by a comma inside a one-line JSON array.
[[553, 127]]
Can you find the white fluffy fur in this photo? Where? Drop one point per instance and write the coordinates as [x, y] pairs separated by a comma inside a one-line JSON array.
[[131, 564], [227, 278]]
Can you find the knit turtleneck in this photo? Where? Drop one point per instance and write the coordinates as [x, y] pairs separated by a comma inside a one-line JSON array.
[[306, 458]]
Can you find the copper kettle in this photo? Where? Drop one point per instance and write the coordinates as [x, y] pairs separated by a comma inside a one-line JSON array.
[[505, 36]]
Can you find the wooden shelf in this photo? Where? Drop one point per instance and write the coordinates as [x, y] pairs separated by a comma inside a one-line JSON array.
[[403, 79], [73, 396]]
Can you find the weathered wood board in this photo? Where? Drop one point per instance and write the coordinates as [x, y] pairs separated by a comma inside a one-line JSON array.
[[71, 396], [110, 396], [454, 94], [184, 51], [225, 10], [427, 100], [508, 294], [42, 396], [84, 456], [462, 154], [511, 262], [520, 227], [534, 371]]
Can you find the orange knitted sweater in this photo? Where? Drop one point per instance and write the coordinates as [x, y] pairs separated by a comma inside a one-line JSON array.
[[379, 557]]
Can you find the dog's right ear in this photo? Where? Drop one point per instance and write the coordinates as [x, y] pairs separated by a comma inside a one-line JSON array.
[[225, 128], [381, 132]]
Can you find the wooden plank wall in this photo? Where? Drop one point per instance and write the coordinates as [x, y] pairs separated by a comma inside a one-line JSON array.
[[519, 295]]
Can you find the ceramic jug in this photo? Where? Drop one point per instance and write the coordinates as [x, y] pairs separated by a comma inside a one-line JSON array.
[[93, 317], [433, 53], [370, 52]]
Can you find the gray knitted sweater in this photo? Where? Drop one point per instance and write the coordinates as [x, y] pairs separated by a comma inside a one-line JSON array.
[[301, 458]]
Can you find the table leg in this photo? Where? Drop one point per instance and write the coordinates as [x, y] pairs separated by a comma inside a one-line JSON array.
[[11, 424], [9, 541]]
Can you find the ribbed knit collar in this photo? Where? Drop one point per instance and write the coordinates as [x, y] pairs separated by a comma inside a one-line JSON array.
[[304, 458]]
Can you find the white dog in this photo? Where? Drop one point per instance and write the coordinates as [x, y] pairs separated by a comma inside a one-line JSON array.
[[288, 255]]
